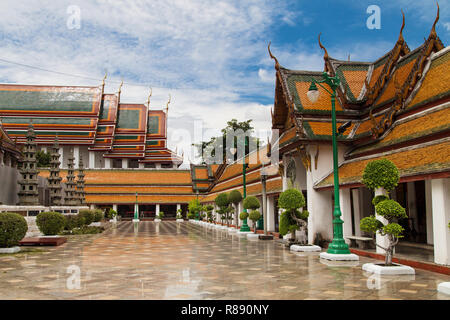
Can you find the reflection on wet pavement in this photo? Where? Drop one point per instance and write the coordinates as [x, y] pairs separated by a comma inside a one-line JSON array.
[[170, 260]]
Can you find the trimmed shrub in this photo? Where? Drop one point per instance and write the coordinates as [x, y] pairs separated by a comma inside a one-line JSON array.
[[243, 215], [370, 224], [73, 221], [87, 215], [251, 203], [291, 199], [50, 223], [222, 200], [13, 228], [255, 215], [381, 173], [302, 214], [235, 197], [161, 214], [98, 215], [390, 209], [378, 199]]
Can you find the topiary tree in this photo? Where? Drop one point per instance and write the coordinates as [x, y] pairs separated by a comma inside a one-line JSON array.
[[160, 215], [13, 228], [50, 223], [87, 215], [254, 215], [209, 209], [382, 175], [252, 203], [292, 219], [390, 210], [222, 201], [243, 215], [235, 197]]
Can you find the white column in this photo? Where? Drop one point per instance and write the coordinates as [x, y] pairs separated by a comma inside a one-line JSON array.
[[158, 165], [76, 155], [440, 189], [270, 214], [178, 206], [356, 211], [107, 163], [346, 210], [125, 163], [115, 207], [44, 149], [91, 159], [412, 208], [381, 240], [320, 209], [141, 166], [429, 211], [157, 209]]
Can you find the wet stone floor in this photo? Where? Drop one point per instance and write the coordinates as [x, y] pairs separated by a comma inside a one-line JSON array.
[[170, 260]]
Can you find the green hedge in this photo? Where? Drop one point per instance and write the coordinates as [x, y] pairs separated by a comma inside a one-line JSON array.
[[98, 215], [87, 215], [73, 221], [50, 223], [291, 199], [13, 228]]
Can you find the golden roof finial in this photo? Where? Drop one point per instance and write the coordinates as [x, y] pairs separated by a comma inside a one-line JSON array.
[[400, 36], [325, 56], [104, 78], [433, 29], [120, 88], [167, 105], [277, 65], [148, 99]]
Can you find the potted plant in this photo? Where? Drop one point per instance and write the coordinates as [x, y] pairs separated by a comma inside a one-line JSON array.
[[13, 228], [159, 216], [113, 214], [382, 176], [209, 216], [179, 216]]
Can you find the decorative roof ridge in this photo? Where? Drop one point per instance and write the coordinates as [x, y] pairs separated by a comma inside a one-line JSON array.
[[300, 72], [48, 85]]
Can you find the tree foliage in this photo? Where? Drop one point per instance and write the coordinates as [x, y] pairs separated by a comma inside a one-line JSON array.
[[251, 203], [220, 142], [381, 173], [43, 159], [235, 197], [291, 199]]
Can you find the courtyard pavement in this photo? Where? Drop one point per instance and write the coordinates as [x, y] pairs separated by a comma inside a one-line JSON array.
[[170, 260]]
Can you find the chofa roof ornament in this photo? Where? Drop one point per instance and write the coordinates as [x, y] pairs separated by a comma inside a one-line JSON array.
[[277, 65]]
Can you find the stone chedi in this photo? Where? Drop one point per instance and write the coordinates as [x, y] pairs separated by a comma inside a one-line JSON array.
[[71, 194], [54, 180], [80, 183], [28, 193]]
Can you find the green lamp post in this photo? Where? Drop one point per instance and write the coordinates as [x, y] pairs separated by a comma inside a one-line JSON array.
[[244, 227], [197, 213], [136, 209], [338, 245]]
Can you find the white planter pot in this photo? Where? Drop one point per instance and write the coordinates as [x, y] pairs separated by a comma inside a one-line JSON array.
[[391, 270], [444, 287], [95, 224], [180, 220], [339, 257], [298, 248], [252, 236], [10, 250], [157, 220]]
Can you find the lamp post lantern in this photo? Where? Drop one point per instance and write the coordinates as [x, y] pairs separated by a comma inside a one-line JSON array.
[[338, 245]]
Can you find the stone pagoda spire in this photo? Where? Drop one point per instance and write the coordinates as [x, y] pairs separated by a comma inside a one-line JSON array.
[[71, 196], [54, 180], [28, 193], [80, 183]]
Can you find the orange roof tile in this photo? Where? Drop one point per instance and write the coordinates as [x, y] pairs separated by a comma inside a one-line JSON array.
[[416, 161]]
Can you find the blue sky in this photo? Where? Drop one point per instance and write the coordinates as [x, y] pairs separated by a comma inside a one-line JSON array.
[[210, 55]]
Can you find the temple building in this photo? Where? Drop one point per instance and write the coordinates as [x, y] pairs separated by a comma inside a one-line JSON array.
[[398, 108]]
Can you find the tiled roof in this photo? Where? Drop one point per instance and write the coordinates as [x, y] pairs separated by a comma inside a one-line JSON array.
[[69, 112], [131, 198], [422, 159], [133, 177], [435, 84]]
